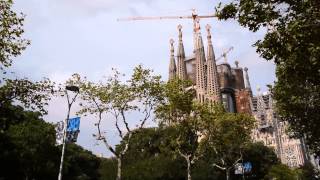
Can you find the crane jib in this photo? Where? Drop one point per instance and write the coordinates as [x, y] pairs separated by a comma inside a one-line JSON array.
[[165, 17]]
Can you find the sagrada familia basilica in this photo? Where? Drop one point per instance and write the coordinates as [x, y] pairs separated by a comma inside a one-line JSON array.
[[230, 86]]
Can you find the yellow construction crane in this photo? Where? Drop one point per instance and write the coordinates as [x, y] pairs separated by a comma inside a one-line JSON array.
[[194, 16], [224, 54]]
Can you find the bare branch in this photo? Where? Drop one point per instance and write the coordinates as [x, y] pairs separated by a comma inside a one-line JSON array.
[[240, 158], [195, 158], [124, 120], [108, 145], [118, 128], [147, 116], [220, 167], [98, 124], [183, 155]]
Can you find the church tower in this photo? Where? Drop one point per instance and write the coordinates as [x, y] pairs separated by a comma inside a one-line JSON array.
[[181, 64], [213, 88], [200, 64], [172, 66]]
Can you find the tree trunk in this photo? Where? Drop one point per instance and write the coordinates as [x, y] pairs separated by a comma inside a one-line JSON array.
[[189, 168], [119, 168], [228, 174]]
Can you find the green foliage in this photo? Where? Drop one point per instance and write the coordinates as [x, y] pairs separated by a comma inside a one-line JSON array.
[[225, 129], [281, 172], [203, 128], [138, 95], [80, 164], [108, 168], [33, 95], [226, 135], [28, 145], [293, 43], [28, 149], [11, 31], [34, 142], [152, 155], [176, 102], [308, 172], [262, 159]]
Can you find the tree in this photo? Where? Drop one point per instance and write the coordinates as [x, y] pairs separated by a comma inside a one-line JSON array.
[[152, 155], [108, 168], [261, 157], [34, 142], [292, 41], [28, 148], [138, 95], [80, 164], [11, 31], [308, 171], [178, 109], [34, 95], [226, 135], [177, 102], [203, 127], [281, 172]]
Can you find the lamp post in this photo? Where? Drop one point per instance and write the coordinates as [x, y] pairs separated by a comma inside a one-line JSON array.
[[74, 89]]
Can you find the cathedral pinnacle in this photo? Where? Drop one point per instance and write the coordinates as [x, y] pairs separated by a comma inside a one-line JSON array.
[[237, 64], [172, 66], [180, 32], [247, 82], [181, 65], [213, 88], [208, 27]]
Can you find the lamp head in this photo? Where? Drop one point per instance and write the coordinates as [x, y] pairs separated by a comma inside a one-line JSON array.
[[72, 88]]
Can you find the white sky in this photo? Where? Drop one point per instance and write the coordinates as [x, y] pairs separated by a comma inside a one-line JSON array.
[[83, 36]]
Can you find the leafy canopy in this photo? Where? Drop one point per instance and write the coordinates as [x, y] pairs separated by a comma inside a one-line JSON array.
[[34, 95], [11, 41]]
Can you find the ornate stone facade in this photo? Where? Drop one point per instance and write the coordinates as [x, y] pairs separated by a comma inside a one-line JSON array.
[[272, 131]]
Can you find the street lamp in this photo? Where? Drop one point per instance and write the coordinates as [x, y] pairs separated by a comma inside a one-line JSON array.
[[74, 89]]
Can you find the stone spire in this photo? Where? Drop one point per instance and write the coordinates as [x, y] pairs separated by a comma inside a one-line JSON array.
[[247, 84], [237, 64], [181, 70], [261, 106], [261, 111], [200, 65], [213, 88], [172, 66]]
